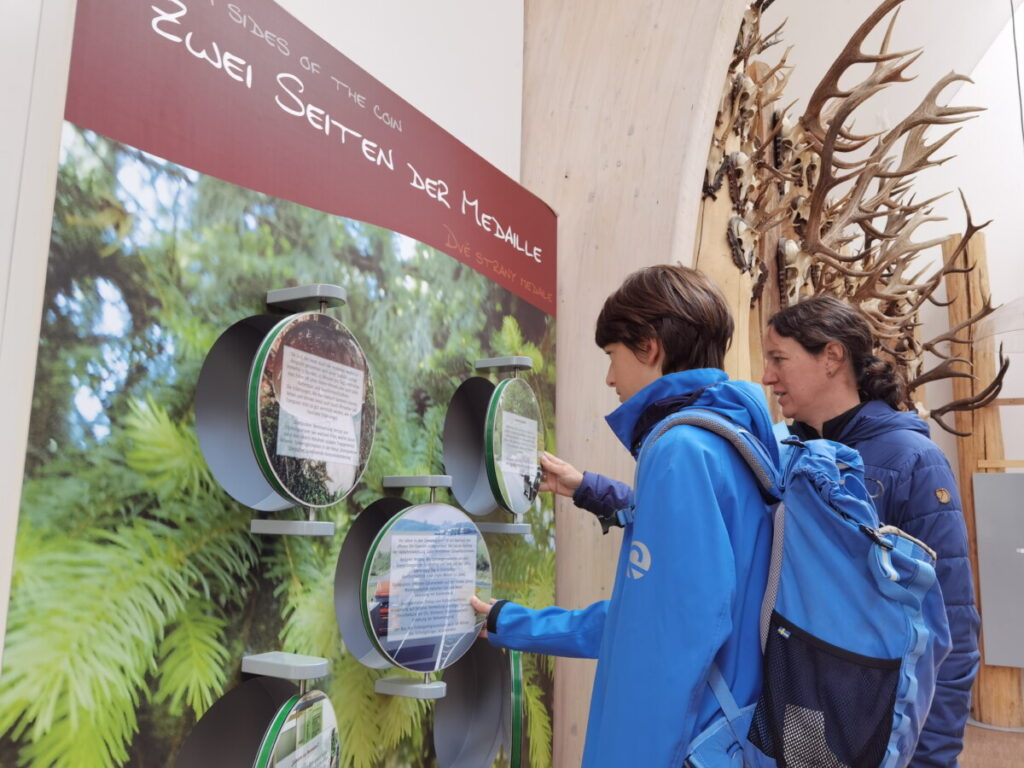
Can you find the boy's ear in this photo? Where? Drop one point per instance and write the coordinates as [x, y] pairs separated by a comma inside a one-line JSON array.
[[653, 352]]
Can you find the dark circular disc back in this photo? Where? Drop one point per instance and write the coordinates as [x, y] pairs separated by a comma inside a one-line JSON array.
[[349, 572], [222, 416], [468, 721], [463, 446], [229, 735]]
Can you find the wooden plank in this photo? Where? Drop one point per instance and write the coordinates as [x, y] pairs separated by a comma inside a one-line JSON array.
[[714, 259], [998, 697], [987, 748], [1007, 401], [1000, 464]]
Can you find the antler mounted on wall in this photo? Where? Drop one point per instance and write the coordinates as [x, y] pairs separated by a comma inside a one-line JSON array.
[[817, 208]]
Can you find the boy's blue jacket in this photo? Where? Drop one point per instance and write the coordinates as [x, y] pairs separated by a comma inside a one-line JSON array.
[[906, 474], [688, 588]]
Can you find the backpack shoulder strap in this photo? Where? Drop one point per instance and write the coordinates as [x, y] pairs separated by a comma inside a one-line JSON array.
[[746, 443], [756, 456]]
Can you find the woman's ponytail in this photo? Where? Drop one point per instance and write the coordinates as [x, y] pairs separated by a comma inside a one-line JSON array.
[[878, 379]]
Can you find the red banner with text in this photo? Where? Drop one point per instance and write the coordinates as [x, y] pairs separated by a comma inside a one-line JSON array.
[[248, 94]]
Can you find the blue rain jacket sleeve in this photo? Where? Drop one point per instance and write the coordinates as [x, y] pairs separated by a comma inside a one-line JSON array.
[[554, 631], [923, 514], [602, 495]]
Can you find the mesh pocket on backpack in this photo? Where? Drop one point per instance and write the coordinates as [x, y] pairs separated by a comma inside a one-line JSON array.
[[820, 705]]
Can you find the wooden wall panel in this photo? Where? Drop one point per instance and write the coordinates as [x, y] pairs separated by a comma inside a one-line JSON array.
[[619, 102], [998, 697]]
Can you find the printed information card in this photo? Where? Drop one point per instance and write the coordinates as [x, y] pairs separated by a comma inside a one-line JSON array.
[[319, 400], [432, 579]]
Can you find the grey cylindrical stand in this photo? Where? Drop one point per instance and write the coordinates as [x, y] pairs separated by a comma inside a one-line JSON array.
[[433, 482], [516, 529], [265, 527], [411, 687]]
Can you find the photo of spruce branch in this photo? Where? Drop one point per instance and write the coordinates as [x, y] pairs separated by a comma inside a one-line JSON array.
[[137, 587]]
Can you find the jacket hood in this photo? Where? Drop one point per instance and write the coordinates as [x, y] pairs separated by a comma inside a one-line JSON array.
[[741, 401], [878, 418]]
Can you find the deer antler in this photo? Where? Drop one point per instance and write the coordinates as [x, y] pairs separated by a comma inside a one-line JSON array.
[[831, 209], [974, 402]]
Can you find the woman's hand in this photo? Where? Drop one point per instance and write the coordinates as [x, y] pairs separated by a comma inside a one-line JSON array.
[[559, 476]]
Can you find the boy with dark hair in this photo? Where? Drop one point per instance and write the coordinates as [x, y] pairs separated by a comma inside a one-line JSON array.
[[694, 559]]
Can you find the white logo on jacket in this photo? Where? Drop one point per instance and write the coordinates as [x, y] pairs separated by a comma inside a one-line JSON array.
[[639, 560]]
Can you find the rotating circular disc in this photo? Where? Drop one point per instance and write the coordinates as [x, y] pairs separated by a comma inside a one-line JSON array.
[[513, 440], [311, 409], [418, 577], [516, 731], [303, 732]]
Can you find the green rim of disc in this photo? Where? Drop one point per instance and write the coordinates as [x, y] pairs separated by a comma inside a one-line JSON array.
[[516, 748], [364, 582], [270, 737], [502, 495]]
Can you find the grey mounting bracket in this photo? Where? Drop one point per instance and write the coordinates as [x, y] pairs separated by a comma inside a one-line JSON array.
[[411, 687], [270, 527], [514, 364], [516, 529], [433, 482], [286, 666], [303, 298]]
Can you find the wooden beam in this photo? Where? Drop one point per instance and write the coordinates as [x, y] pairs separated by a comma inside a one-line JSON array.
[[998, 691], [1000, 464]]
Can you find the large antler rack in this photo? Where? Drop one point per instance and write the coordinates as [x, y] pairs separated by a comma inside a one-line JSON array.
[[826, 209]]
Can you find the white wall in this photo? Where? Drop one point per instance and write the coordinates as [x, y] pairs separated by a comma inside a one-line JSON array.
[[989, 168], [458, 61], [34, 51]]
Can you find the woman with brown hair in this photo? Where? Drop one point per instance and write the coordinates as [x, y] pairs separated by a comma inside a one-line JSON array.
[[820, 364]]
